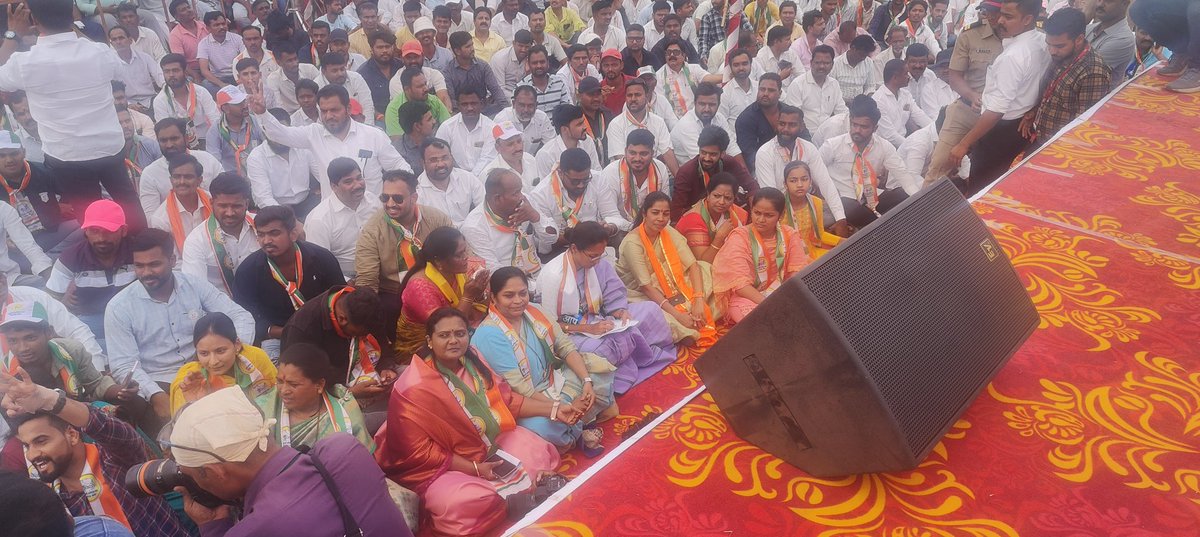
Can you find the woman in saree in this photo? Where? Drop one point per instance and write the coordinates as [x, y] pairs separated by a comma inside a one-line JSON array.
[[540, 362], [221, 361], [805, 212], [658, 267], [580, 289], [451, 420], [437, 280], [307, 404], [758, 257], [708, 223]]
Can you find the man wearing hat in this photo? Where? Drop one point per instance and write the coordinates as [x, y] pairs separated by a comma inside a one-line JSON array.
[[88, 476], [89, 273], [596, 116], [974, 50], [31, 192], [508, 63], [339, 41], [235, 134], [511, 155], [55, 362], [435, 56], [223, 443], [661, 107], [410, 54], [612, 87]]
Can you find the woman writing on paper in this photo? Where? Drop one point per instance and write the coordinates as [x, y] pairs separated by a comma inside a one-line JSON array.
[[758, 257], [580, 289]]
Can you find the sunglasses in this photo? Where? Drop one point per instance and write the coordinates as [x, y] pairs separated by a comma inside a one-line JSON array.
[[398, 199]]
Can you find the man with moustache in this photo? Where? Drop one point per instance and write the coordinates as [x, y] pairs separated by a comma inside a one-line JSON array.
[[334, 224], [216, 247], [155, 183], [692, 181]]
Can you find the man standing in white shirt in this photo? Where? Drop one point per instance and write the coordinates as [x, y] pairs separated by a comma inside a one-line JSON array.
[[505, 230], [335, 136], [685, 136], [155, 183], [68, 82], [814, 92], [866, 170], [280, 175], [444, 187], [638, 116], [335, 223], [899, 110], [774, 156], [335, 72], [511, 155], [214, 249], [469, 132], [1013, 88], [611, 35]]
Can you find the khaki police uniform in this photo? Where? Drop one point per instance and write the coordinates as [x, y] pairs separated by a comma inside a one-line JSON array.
[[977, 46]]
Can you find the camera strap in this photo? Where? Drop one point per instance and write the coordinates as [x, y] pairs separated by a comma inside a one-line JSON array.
[[348, 523]]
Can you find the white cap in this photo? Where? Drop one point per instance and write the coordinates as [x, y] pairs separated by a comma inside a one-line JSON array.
[[422, 24], [505, 130], [231, 95], [225, 423], [9, 140]]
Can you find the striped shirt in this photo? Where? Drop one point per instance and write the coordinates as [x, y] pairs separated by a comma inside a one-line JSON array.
[[556, 92], [854, 80]]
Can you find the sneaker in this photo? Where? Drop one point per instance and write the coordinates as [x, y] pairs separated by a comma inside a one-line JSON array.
[[1175, 66], [1188, 82]]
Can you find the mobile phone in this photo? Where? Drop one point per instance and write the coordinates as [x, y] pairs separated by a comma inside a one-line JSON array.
[[128, 380], [505, 470]]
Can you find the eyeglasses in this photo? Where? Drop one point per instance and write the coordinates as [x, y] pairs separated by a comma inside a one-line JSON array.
[[398, 199], [171, 446], [675, 52]]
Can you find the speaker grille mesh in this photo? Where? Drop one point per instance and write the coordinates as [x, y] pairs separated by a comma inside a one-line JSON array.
[[924, 308]]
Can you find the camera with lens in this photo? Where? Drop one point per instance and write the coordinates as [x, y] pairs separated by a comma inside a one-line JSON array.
[[161, 476]]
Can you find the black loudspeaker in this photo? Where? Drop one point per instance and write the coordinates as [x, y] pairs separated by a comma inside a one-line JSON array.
[[863, 361]]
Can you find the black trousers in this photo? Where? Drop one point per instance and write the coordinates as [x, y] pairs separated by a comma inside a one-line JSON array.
[[994, 153], [858, 215], [79, 184]]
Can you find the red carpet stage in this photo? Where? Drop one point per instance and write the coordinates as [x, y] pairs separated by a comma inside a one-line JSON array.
[[1093, 428]]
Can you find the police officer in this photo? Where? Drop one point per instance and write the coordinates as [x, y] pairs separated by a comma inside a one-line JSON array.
[[974, 51]]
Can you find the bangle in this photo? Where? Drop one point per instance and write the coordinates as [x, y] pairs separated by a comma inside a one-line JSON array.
[[476, 465], [664, 301], [554, 411], [588, 379]]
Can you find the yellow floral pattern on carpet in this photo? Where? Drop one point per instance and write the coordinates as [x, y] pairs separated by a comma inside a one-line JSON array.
[[1091, 149], [1114, 427]]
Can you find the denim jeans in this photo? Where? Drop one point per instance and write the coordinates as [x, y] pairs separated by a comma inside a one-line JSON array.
[[1174, 24]]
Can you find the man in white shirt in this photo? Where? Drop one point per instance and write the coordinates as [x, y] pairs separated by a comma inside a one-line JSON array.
[[282, 83], [678, 79], [142, 38], [611, 35], [572, 132], [917, 151], [534, 124], [252, 39], [336, 136], [1013, 87], [858, 163], [685, 136], [836, 125], [853, 71], [739, 92], [469, 132], [900, 113], [918, 31], [335, 71], [182, 99], [509, 20], [12, 228], [638, 116], [570, 196], [633, 177], [148, 325], [214, 249], [815, 93], [281, 175], [511, 155], [186, 207], [505, 230], [140, 73], [335, 223], [508, 63], [777, 57], [928, 88], [774, 156], [443, 186], [68, 82], [155, 183]]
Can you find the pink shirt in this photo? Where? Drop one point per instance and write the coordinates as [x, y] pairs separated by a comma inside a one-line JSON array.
[[183, 41]]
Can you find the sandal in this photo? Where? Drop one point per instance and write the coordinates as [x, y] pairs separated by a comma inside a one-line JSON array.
[[589, 441]]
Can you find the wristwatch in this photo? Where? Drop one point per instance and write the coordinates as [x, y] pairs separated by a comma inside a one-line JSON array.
[[10, 35], [60, 403]]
